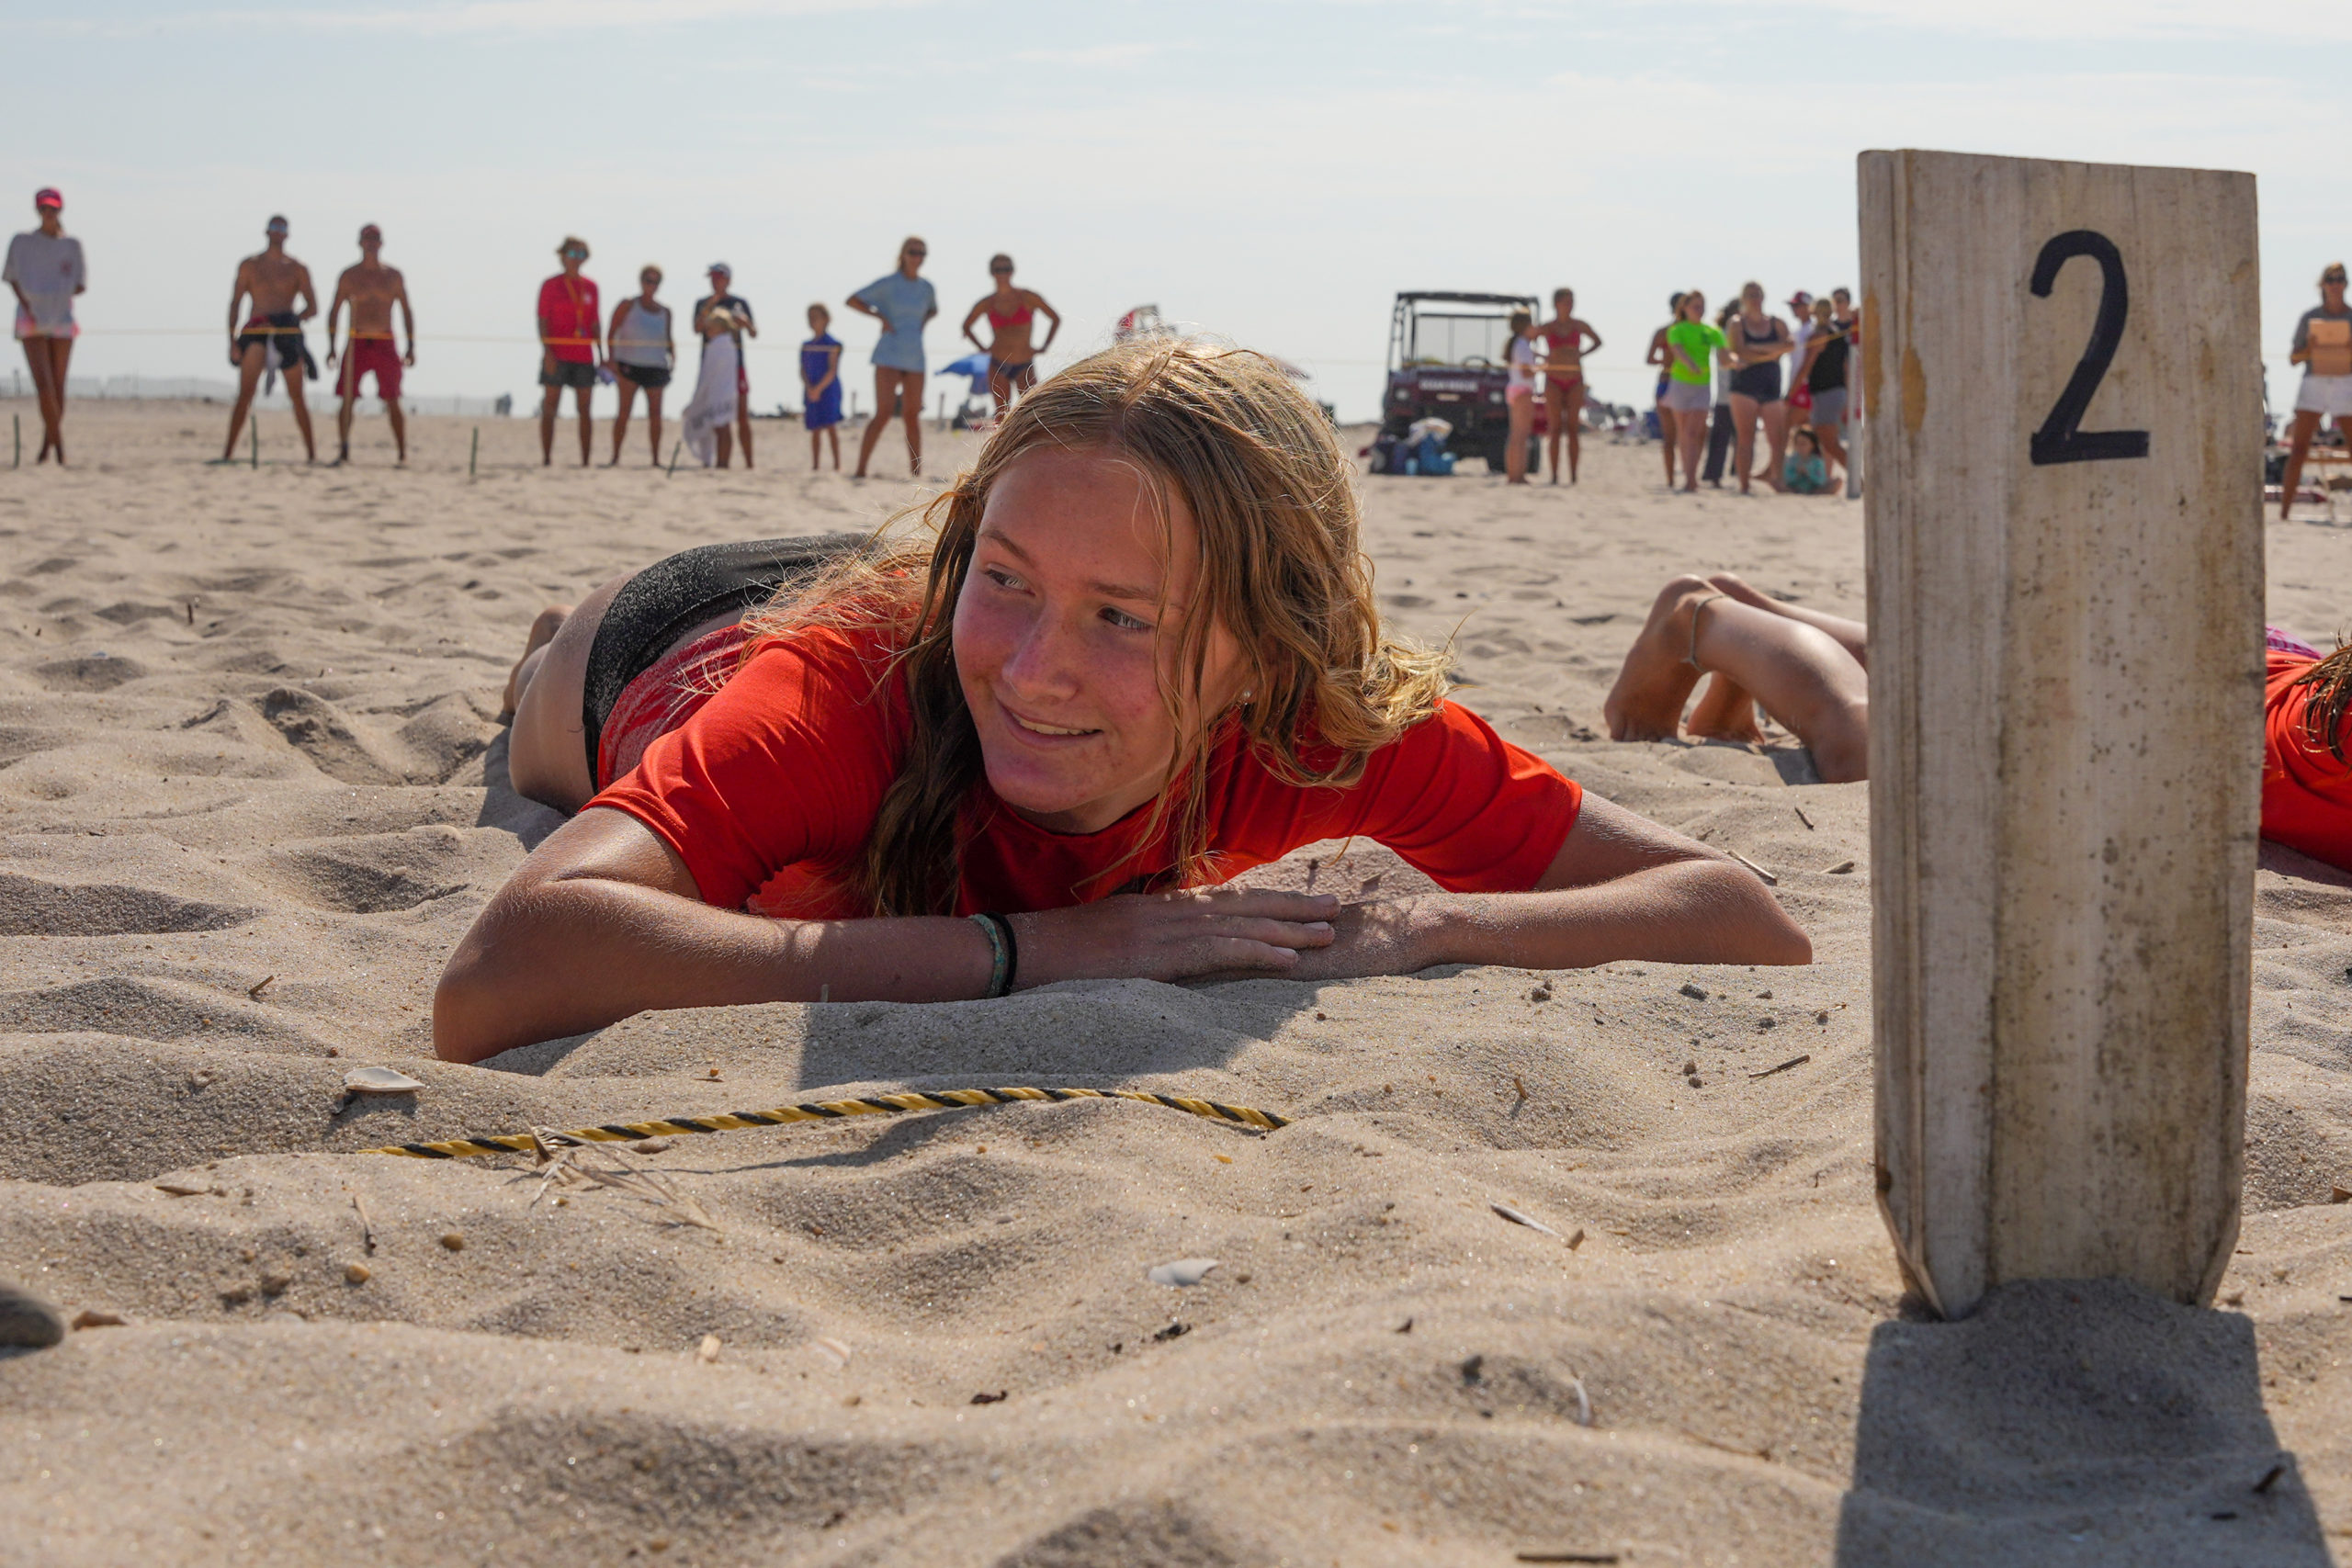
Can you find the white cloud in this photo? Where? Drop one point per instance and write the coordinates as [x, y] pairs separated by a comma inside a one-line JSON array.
[[477, 17]]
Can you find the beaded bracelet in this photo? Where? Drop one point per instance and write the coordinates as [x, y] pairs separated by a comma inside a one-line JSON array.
[[1001, 945]]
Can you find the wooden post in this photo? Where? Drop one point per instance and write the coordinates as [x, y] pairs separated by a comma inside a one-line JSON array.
[[2064, 422]]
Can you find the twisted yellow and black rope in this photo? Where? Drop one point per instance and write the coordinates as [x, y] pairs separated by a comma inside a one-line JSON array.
[[830, 1111]]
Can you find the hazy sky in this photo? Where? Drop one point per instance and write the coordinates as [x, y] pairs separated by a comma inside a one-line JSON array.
[[1271, 171]]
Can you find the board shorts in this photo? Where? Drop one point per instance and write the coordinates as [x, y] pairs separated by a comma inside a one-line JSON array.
[[1688, 397], [646, 375], [569, 373], [643, 678], [282, 333], [2329, 396], [370, 357], [28, 326], [1829, 406]]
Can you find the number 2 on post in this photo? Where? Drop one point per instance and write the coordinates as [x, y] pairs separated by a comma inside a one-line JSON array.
[[2059, 440]]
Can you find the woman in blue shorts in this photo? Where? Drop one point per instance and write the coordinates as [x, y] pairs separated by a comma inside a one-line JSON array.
[[903, 302]]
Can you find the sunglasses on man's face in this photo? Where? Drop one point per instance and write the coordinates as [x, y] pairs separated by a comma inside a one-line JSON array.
[[918, 255]]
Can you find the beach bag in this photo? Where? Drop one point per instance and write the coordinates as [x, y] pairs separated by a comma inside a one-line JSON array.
[[1386, 458], [1431, 460]]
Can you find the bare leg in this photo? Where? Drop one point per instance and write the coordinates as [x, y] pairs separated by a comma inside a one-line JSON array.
[[910, 407], [1831, 447], [1852, 635], [301, 413], [1691, 429], [399, 421], [1667, 442], [743, 430], [549, 400], [582, 398], [628, 389], [999, 387], [1776, 432], [815, 446], [1574, 421], [726, 438], [249, 369], [653, 422], [2300, 447], [48, 355], [1556, 403], [543, 630], [1522, 424], [1743, 424], [1799, 672], [833, 438], [350, 385], [885, 392], [546, 758]]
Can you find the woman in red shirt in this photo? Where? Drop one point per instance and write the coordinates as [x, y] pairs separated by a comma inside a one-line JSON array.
[[1139, 655]]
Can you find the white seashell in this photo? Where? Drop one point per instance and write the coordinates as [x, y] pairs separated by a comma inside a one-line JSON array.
[[834, 1348], [380, 1080], [1184, 1271]]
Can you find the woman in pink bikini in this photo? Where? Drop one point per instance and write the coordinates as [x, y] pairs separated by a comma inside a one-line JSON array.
[[1012, 363]]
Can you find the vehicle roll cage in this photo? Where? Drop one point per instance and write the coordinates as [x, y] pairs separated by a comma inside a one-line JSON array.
[[1403, 312]]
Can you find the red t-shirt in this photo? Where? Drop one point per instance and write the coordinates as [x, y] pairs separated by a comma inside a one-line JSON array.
[[2306, 792], [568, 315], [769, 792]]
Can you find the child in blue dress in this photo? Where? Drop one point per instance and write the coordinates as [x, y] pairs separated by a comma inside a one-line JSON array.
[[821, 386]]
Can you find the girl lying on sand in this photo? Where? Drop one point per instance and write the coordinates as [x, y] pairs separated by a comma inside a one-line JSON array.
[[1139, 655], [1808, 670]]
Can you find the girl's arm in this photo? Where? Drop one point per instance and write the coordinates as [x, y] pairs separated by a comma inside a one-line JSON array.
[[1657, 351], [833, 373], [862, 309], [972, 316], [1622, 886], [1053, 317], [603, 922]]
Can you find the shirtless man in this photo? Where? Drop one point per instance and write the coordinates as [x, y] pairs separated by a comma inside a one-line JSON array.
[[274, 280], [1563, 350], [371, 290], [1012, 313]]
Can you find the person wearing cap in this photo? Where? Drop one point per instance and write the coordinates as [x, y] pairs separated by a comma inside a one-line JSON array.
[[722, 298], [2323, 348], [371, 289], [904, 303], [45, 268], [1800, 397], [271, 335], [572, 339]]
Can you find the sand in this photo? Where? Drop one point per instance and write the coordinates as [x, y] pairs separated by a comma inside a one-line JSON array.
[[251, 791]]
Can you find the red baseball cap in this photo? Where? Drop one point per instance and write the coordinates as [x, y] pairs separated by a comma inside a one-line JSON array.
[[47, 196]]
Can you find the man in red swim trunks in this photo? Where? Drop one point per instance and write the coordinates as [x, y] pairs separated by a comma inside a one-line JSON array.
[[371, 289], [1565, 346]]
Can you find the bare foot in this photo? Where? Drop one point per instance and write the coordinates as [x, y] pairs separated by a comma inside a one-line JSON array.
[[1725, 712], [543, 630], [1646, 702]]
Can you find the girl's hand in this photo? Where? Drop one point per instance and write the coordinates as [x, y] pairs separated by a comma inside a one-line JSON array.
[[1396, 936], [1173, 936]]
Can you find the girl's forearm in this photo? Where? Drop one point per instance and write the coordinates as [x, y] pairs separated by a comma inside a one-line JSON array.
[[571, 954], [1694, 911]]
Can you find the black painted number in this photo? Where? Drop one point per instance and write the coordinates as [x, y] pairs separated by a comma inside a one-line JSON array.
[[2059, 440]]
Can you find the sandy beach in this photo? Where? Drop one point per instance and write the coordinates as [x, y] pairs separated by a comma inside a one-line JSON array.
[[251, 790]]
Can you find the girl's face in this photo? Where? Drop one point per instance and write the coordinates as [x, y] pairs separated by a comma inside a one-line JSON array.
[[1063, 645], [1694, 307], [1751, 298], [819, 321], [648, 280]]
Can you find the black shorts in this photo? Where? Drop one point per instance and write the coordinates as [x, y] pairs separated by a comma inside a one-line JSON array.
[[568, 373], [667, 600], [1761, 382], [646, 375]]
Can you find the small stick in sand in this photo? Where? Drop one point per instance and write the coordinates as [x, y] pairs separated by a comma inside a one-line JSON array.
[[1520, 1084], [2270, 1479], [367, 1230], [255, 989], [1841, 869], [1515, 1217], [1784, 1067], [1801, 816], [1568, 1557], [1769, 880]]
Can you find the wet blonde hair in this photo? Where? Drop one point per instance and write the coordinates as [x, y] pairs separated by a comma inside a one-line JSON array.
[[1282, 571]]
